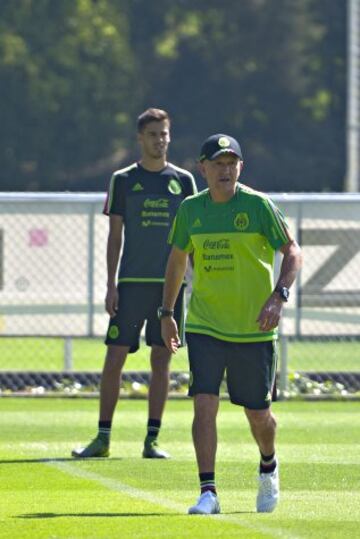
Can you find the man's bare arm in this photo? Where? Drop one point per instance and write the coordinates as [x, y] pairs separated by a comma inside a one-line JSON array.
[[269, 316], [114, 244], [291, 263], [174, 276]]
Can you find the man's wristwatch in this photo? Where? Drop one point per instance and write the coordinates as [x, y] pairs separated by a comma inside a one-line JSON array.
[[283, 292], [163, 313]]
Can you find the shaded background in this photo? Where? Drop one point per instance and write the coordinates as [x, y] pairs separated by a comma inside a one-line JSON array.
[[75, 74]]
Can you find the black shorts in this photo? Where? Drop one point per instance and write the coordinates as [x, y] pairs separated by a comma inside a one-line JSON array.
[[138, 302], [250, 369]]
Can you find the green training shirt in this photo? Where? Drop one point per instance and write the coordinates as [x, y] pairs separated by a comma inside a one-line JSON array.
[[148, 202], [233, 245]]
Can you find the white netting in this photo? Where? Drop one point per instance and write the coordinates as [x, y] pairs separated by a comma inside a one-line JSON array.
[[52, 282]]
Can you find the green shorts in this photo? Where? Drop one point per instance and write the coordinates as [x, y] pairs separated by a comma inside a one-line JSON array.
[[138, 303], [250, 369]]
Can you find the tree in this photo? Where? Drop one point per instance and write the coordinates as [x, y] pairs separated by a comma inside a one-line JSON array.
[[75, 74], [67, 79], [270, 73]]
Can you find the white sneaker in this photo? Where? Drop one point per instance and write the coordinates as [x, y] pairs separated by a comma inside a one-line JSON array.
[[207, 504], [269, 492]]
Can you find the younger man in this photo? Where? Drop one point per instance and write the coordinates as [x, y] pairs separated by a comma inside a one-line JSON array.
[[141, 204]]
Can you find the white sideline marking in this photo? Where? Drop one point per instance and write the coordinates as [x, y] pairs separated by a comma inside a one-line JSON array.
[[115, 485], [139, 494]]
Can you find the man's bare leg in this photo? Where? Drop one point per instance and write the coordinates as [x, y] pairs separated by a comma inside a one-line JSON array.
[[263, 428], [110, 380], [158, 393], [159, 384], [204, 431], [205, 443], [109, 395]]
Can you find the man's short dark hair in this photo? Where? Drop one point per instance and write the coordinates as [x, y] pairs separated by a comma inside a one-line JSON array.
[[151, 115]]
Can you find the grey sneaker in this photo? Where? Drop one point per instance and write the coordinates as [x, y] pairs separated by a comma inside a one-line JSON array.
[[96, 448], [269, 491], [152, 451], [207, 504]]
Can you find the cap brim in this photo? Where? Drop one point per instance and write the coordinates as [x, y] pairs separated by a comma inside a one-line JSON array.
[[222, 151]]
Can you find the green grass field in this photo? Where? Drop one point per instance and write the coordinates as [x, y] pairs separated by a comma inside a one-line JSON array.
[[47, 354], [46, 494]]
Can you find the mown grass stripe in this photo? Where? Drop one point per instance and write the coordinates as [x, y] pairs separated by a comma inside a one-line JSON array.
[[123, 488]]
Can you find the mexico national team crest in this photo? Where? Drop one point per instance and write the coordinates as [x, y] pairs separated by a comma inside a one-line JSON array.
[[223, 142], [174, 187], [241, 221], [113, 332]]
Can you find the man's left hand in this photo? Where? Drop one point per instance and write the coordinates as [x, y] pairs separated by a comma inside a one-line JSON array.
[[169, 333], [270, 313]]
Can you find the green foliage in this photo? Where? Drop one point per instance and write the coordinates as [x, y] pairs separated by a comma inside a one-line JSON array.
[[75, 74], [66, 73], [302, 386]]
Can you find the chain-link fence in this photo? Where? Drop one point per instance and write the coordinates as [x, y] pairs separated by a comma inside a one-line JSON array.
[[52, 289]]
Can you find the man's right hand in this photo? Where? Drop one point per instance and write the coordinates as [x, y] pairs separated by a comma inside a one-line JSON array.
[[111, 300], [169, 333]]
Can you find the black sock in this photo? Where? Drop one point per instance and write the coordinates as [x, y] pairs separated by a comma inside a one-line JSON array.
[[153, 428], [104, 430], [267, 463], [207, 482]]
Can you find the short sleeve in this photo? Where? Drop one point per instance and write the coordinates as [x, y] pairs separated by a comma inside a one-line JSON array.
[[115, 200], [179, 233], [191, 188], [274, 225]]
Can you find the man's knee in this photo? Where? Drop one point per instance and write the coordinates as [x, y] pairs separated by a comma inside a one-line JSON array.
[[206, 405], [160, 360], [261, 418], [115, 358]]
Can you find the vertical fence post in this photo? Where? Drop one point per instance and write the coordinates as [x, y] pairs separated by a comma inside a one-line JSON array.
[[283, 381], [352, 178], [90, 275], [68, 354]]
